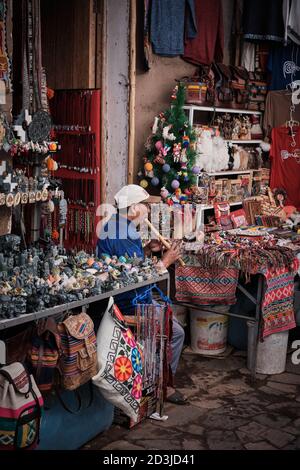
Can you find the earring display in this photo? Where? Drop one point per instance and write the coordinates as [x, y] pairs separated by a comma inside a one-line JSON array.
[[77, 127]]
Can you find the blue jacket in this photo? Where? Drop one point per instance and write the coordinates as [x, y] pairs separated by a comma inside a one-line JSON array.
[[120, 237]]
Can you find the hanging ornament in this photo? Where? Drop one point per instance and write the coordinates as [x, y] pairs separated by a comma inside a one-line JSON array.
[[55, 235], [166, 133], [185, 141], [196, 170], [174, 93], [164, 193], [166, 168], [148, 166], [175, 184], [183, 166], [176, 152], [155, 181], [159, 159], [186, 179], [159, 145], [144, 184]]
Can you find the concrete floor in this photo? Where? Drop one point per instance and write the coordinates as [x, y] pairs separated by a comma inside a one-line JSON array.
[[226, 411]]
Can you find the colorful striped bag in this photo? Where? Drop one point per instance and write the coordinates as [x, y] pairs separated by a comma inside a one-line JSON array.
[[78, 362], [21, 406]]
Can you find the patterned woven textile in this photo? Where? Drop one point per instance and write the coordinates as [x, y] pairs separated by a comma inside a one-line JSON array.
[[203, 286], [278, 304]]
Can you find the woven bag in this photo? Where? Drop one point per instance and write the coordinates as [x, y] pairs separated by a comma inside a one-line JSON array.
[[78, 363], [21, 407]]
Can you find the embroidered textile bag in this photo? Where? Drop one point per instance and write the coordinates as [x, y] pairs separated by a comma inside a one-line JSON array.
[[120, 376], [20, 408], [43, 354], [78, 363]]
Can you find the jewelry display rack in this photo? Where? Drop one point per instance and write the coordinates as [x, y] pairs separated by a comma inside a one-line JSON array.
[[76, 118]]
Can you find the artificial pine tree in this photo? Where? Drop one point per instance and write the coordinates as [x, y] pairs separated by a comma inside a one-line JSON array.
[[169, 160]]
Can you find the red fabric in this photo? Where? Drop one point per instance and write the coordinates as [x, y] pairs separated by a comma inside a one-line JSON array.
[[208, 45], [285, 164]]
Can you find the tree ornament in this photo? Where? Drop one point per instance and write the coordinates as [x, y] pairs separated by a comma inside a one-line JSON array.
[[155, 181], [159, 159], [175, 184], [159, 145], [166, 133], [144, 184], [185, 141], [166, 168], [196, 170], [176, 152], [55, 235], [164, 193], [148, 166]]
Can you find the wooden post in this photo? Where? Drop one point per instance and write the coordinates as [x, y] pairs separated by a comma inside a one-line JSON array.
[[132, 85]]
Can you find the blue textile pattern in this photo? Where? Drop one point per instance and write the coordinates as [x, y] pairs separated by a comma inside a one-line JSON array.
[[117, 238], [170, 20]]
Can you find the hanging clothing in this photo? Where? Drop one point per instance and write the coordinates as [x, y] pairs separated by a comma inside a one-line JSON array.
[[248, 56], [285, 163], [208, 45], [280, 65], [169, 18], [263, 20], [291, 18], [277, 109]]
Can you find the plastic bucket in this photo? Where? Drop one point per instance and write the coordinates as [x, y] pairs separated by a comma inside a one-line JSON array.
[[209, 331], [180, 313], [271, 353]]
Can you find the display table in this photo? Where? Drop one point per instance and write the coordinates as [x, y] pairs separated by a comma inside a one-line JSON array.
[[60, 429], [212, 276]]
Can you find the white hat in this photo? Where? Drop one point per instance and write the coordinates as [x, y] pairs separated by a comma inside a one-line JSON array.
[[130, 194]]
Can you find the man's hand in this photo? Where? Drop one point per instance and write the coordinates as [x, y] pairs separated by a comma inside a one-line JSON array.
[[172, 254], [154, 246]]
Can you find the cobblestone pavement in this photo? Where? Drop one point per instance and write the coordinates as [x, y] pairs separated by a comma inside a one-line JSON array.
[[226, 411]]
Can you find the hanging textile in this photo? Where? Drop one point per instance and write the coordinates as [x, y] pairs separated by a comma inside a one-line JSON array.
[[205, 286], [208, 45], [153, 334], [277, 109], [291, 17], [5, 65], [263, 20], [278, 304], [284, 65], [285, 163], [168, 20]]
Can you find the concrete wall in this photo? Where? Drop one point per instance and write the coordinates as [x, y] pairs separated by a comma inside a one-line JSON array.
[[115, 94], [154, 88]]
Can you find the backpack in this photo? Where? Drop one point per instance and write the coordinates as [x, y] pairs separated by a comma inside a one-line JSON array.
[[43, 354], [78, 362], [21, 406], [257, 87]]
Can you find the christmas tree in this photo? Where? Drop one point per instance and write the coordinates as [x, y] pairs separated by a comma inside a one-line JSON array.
[[169, 161]]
